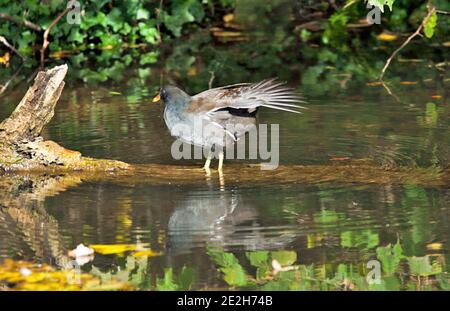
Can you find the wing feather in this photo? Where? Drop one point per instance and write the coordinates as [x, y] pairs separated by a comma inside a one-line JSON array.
[[269, 93]]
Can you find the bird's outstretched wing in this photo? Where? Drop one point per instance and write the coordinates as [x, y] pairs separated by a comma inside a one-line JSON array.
[[268, 93]]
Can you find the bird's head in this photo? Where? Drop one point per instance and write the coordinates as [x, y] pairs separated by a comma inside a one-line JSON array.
[[171, 95]]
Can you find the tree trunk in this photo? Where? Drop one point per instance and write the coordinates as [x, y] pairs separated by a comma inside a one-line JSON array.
[[21, 147]]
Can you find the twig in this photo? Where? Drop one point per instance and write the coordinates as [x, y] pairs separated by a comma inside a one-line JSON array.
[[387, 88], [20, 21], [47, 32], [211, 80], [5, 86], [9, 46], [158, 22], [431, 10]]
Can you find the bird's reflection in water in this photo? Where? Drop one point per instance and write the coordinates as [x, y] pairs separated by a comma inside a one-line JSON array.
[[222, 219]]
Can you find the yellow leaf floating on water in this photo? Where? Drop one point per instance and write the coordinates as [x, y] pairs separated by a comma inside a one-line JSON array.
[[43, 277], [108, 249], [384, 36], [138, 250], [146, 253]]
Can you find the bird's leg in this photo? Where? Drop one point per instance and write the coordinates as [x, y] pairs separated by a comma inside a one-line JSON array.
[[207, 163], [221, 157]]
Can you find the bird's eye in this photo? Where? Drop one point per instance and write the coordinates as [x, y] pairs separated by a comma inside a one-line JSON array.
[[163, 94]]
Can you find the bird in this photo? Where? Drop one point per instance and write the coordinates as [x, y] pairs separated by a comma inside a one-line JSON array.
[[220, 109]]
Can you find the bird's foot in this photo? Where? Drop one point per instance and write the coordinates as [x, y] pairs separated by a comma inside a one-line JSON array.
[[207, 171]]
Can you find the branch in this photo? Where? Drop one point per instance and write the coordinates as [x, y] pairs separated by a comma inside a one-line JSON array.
[[211, 80], [431, 10], [9, 46], [158, 21], [47, 32], [6, 85], [20, 21]]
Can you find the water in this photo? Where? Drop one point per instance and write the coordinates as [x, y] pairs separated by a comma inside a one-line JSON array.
[[333, 228]]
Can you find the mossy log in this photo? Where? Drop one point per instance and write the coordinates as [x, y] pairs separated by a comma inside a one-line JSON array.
[[23, 151]]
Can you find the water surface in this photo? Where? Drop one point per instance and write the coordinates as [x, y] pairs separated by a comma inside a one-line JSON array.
[[334, 229]]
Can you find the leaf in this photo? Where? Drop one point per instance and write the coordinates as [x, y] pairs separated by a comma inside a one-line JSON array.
[[434, 246], [390, 257], [5, 58], [284, 281], [234, 275], [146, 253], [142, 14], [233, 272], [385, 36], [430, 25], [182, 12], [108, 249], [185, 278], [444, 281], [114, 19], [262, 272], [326, 216], [149, 33], [222, 258], [258, 258], [167, 283], [285, 258], [422, 266], [149, 58], [388, 283], [362, 239]]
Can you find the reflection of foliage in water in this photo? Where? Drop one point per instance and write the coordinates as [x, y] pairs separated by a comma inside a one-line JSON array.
[[425, 272]]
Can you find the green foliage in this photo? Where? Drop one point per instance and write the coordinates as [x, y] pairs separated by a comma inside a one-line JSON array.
[[233, 273], [258, 258], [182, 282], [181, 13], [285, 258], [229, 266], [336, 31], [430, 25], [131, 32], [390, 257], [310, 277], [362, 239], [167, 283], [133, 270], [422, 266]]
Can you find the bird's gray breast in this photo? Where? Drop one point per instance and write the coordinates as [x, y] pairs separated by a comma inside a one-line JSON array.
[[194, 128], [206, 130]]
